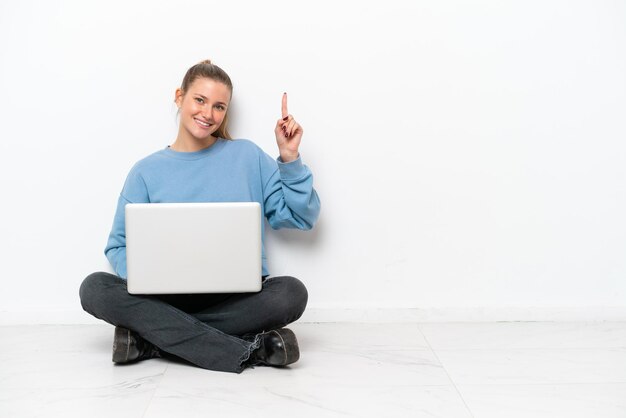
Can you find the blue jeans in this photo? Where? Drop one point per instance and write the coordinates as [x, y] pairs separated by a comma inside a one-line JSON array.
[[204, 329]]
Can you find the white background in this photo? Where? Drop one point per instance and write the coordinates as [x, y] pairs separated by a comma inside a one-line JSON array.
[[468, 155]]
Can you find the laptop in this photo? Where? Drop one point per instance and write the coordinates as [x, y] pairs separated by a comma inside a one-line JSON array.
[[193, 247]]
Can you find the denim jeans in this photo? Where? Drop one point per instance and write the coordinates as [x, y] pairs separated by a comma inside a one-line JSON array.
[[204, 329]]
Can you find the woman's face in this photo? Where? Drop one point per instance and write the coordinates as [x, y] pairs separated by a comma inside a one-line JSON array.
[[202, 107]]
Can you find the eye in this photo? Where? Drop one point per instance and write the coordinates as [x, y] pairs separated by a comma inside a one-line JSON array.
[[220, 107], [199, 100]]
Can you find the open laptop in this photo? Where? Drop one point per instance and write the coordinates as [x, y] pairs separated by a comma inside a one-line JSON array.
[[193, 247]]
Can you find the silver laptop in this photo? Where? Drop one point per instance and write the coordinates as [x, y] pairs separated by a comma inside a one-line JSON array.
[[193, 247]]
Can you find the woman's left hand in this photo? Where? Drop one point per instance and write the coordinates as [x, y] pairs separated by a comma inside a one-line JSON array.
[[288, 134]]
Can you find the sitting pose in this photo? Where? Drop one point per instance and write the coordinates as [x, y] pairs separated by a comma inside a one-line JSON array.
[[219, 331]]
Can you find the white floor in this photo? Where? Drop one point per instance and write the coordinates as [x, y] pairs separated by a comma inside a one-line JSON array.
[[503, 370]]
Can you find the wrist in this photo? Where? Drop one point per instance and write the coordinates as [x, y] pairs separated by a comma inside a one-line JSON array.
[[288, 157]]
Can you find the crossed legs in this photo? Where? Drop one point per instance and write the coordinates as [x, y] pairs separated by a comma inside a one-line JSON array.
[[204, 329]]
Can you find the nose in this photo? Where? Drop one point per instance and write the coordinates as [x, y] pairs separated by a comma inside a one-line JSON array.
[[208, 113]]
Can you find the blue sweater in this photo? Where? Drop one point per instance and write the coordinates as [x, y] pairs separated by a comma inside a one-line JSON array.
[[227, 171]]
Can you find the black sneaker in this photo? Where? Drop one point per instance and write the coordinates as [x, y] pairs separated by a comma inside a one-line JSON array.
[[128, 347], [278, 347]]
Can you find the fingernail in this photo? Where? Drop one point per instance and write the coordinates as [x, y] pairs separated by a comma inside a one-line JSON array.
[[286, 117]]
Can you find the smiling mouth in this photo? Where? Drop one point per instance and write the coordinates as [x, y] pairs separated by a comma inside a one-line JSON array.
[[203, 124]]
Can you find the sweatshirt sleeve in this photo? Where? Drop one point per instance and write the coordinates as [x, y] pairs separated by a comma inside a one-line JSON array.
[[290, 201], [134, 191]]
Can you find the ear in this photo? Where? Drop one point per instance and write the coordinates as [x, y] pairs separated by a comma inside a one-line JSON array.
[[178, 97]]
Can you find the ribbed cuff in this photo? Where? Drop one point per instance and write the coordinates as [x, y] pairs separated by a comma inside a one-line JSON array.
[[292, 170]]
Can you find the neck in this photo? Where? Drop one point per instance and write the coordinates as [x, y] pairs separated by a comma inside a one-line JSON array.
[[183, 144]]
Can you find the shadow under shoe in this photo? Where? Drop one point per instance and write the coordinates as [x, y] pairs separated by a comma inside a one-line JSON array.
[[129, 347], [278, 347]]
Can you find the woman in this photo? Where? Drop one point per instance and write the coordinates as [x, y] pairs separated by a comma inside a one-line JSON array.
[[225, 332]]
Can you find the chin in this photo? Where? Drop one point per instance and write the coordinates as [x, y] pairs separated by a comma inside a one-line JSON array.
[[204, 137]]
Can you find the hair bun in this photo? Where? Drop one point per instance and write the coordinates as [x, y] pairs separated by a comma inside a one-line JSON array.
[[205, 62]]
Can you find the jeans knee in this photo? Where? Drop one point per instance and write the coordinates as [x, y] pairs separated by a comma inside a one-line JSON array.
[[300, 293], [92, 287], [295, 296]]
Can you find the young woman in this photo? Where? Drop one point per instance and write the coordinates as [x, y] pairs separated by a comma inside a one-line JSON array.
[[225, 332]]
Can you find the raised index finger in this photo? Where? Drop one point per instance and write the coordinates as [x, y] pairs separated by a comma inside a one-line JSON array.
[[285, 113]]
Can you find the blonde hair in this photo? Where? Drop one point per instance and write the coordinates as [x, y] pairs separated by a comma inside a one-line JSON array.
[[209, 70]]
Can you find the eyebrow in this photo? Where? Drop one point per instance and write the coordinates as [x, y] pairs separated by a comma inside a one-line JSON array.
[[206, 98]]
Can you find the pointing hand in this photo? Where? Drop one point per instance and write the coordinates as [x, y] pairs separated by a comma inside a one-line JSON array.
[[288, 134]]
